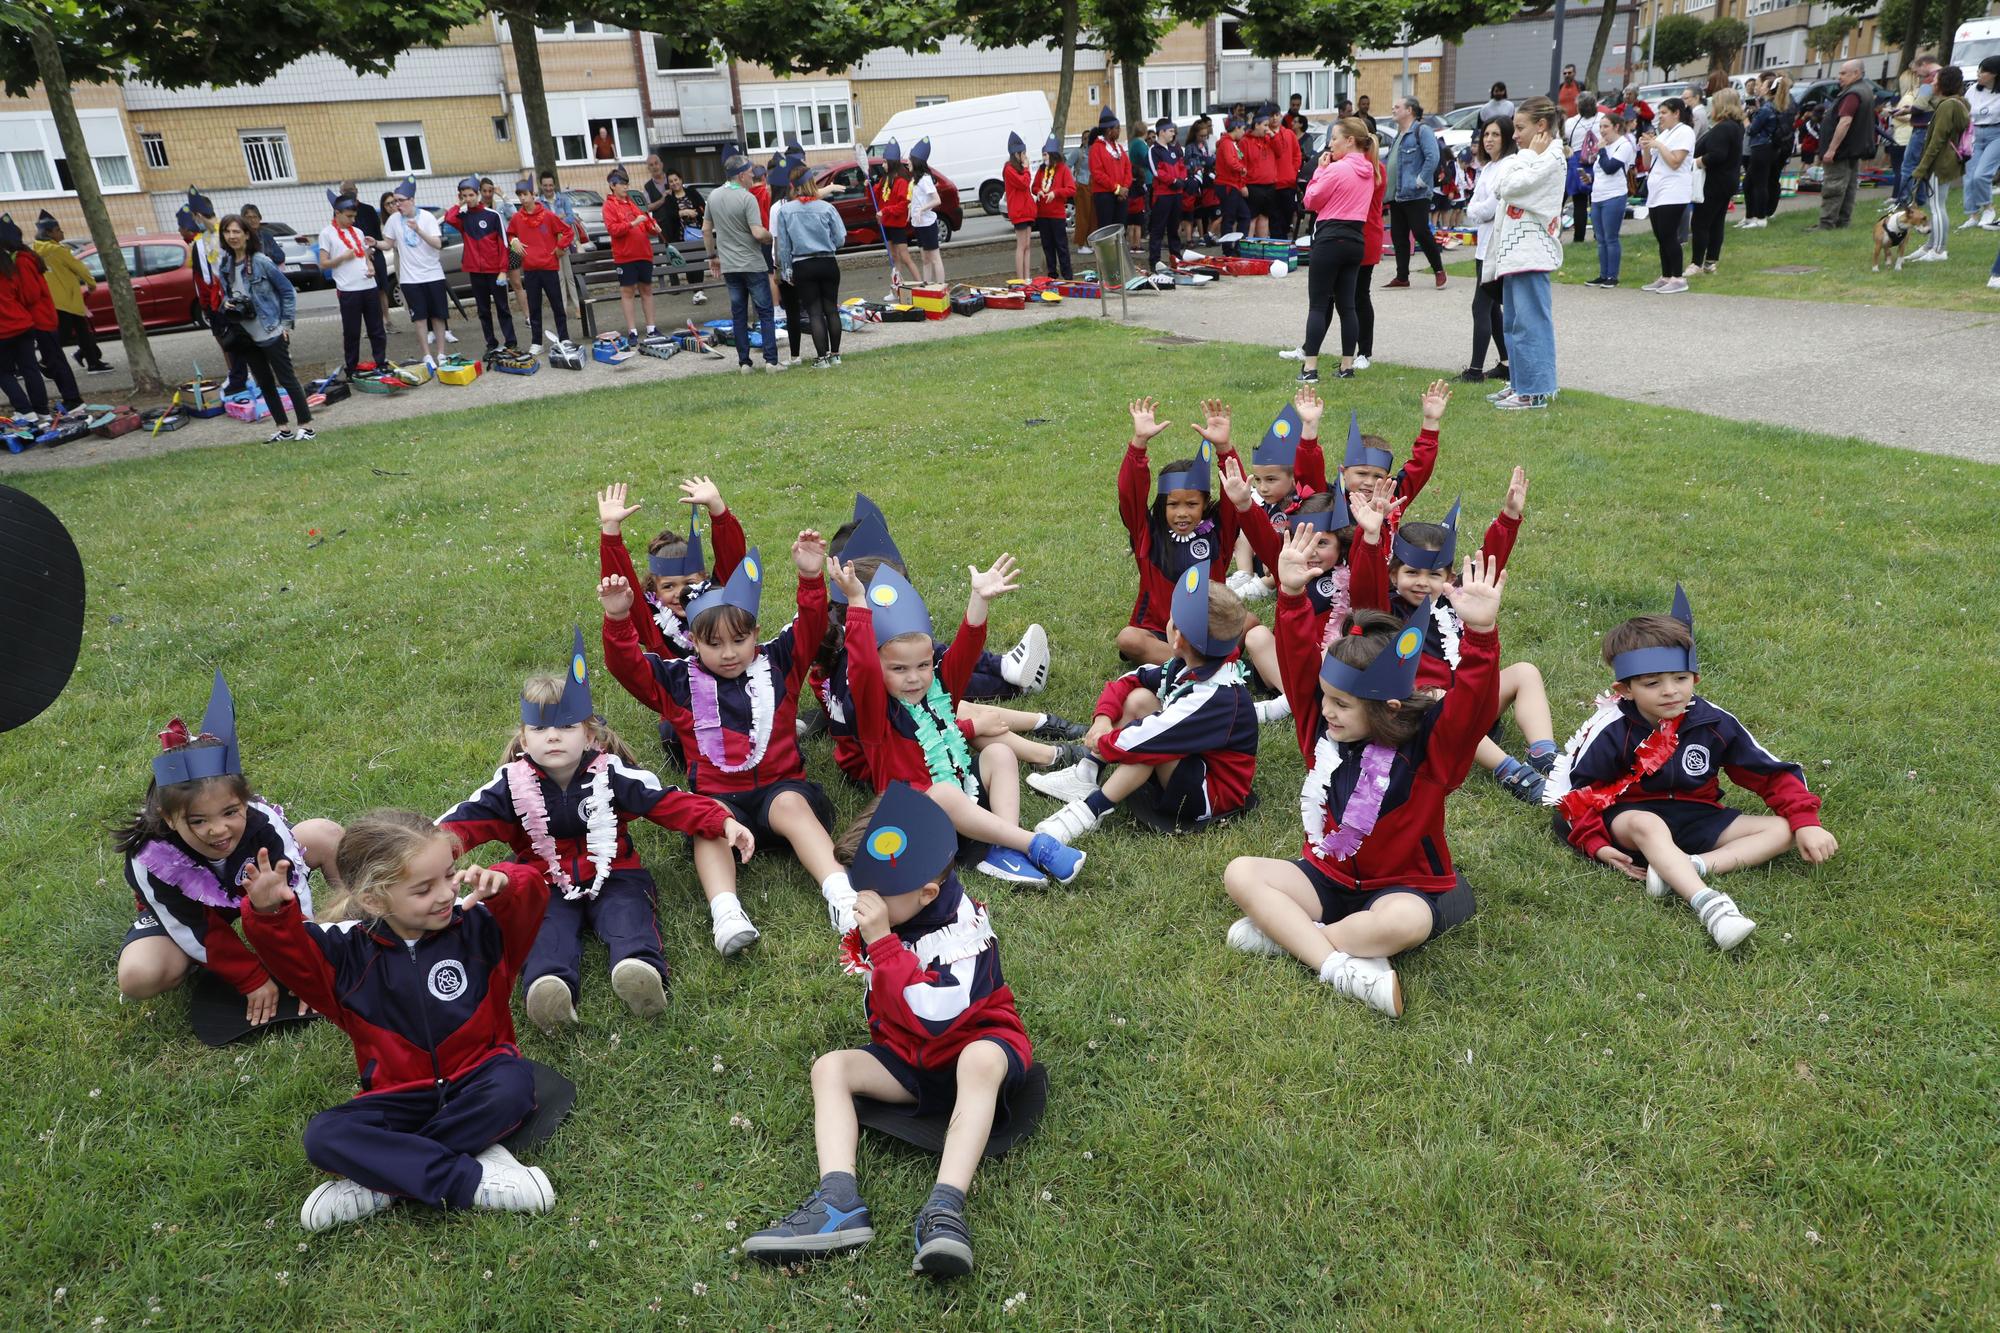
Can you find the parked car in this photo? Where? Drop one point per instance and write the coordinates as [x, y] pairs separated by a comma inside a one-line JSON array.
[[589, 206], [300, 259], [857, 211], [162, 283]]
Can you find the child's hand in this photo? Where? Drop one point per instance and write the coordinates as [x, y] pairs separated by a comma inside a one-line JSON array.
[[1477, 598], [1620, 862], [1145, 421], [1436, 398], [260, 1006], [270, 887], [1234, 485], [809, 554], [847, 581], [996, 582], [612, 511], [1295, 560], [616, 594], [1517, 495], [483, 881], [1815, 844], [1306, 402], [702, 491], [1373, 508], [871, 916], [1215, 426], [515, 245], [1100, 727], [740, 839]]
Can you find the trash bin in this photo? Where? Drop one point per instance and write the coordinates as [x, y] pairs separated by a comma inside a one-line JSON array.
[[1114, 268]]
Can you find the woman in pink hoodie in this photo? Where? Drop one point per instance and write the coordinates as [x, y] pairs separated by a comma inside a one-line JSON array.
[[1338, 197]]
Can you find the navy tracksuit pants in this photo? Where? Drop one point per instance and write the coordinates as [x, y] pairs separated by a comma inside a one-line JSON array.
[[420, 1144], [987, 682], [622, 915]]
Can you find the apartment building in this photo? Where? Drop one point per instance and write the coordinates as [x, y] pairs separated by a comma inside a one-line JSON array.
[[1778, 36]]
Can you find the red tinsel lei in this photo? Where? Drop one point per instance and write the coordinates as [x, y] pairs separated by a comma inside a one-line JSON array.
[[1651, 756], [853, 953]]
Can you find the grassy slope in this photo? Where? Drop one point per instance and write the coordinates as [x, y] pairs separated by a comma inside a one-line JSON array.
[[1587, 1115]]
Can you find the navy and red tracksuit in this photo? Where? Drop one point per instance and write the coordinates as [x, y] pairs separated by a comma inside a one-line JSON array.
[[1407, 847], [1368, 588], [484, 259], [926, 1011], [1052, 215], [1207, 727], [1164, 222], [622, 913], [201, 930], [1710, 738], [441, 1078], [986, 682], [1308, 478], [1162, 556], [1262, 531], [886, 732]]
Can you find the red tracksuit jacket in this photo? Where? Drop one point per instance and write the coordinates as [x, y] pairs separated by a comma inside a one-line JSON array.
[[543, 235], [1210, 722], [1063, 189], [1160, 556], [887, 736], [1369, 590], [632, 230], [895, 201], [1019, 185], [929, 1013], [1230, 168], [1110, 167], [662, 632], [1260, 159]]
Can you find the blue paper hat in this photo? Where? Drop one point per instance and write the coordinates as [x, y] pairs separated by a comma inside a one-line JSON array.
[[909, 842], [1327, 520], [893, 152], [793, 148], [745, 589], [617, 176], [408, 189], [921, 150], [1646, 661], [10, 232], [184, 219], [1053, 144], [1190, 614], [45, 222], [574, 705], [213, 761], [340, 203], [1016, 144], [690, 561], [1416, 557], [1363, 455], [897, 608], [470, 183], [1195, 476], [524, 186], [870, 537], [1106, 118], [1280, 445], [198, 202], [1393, 673]]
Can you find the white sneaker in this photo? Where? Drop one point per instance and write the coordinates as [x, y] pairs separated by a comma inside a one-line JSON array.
[[734, 933], [840, 913], [1361, 363], [1245, 935], [496, 1155], [1927, 257], [430, 364], [450, 337], [641, 986], [1654, 285], [1673, 286], [549, 1004], [1069, 823], [1255, 589], [1369, 980], [339, 1201], [1026, 664], [1273, 710], [1659, 888], [534, 349], [1968, 224], [1727, 926], [1293, 354], [1067, 784], [1993, 283], [514, 1189], [701, 298]]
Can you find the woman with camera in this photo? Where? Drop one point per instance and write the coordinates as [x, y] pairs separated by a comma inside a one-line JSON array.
[[259, 308]]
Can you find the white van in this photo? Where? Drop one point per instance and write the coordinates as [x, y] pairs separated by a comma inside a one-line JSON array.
[[969, 139], [1974, 42]]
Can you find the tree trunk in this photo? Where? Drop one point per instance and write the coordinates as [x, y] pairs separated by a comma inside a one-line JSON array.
[[534, 99], [1599, 43], [131, 329], [1066, 81], [1948, 28], [1913, 31], [1135, 102]]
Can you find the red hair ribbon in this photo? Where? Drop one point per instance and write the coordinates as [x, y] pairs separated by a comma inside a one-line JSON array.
[[175, 736]]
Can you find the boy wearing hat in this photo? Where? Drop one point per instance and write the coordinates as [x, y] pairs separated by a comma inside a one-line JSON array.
[[349, 257], [69, 282], [418, 240], [540, 238], [1110, 172], [1369, 460], [632, 231], [1168, 171], [484, 260], [1052, 189], [1636, 786], [945, 1036]]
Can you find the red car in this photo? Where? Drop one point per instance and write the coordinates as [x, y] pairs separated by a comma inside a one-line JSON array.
[[162, 283], [857, 212]]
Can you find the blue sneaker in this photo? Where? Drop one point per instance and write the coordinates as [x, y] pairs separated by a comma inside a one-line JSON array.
[[817, 1229], [944, 1244], [1008, 864], [1059, 860]]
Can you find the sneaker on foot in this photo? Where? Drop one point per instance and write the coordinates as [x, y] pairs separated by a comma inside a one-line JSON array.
[[549, 1004], [701, 298], [1067, 784], [773, 367], [641, 986], [1362, 362], [450, 337], [1071, 822], [514, 1189], [1026, 665], [1673, 286], [282, 435], [1055, 859], [811, 723], [1659, 888], [1727, 926], [1993, 283], [815, 1230], [1521, 782], [1309, 377], [1055, 728], [1343, 374], [1007, 864], [1369, 980], [1505, 391], [1968, 224], [1273, 710], [836, 358], [304, 433], [1440, 277], [1246, 937], [1472, 375], [1655, 285], [1293, 354], [97, 370], [944, 1244], [734, 933], [338, 1201], [1519, 402], [822, 363], [1397, 282], [840, 911], [535, 348]]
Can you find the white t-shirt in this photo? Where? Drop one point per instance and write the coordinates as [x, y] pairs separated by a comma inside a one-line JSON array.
[[1667, 185], [1698, 118], [351, 275], [1610, 185], [924, 202], [417, 256]]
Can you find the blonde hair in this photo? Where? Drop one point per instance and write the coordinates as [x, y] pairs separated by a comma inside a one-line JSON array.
[[546, 689], [375, 853], [1779, 92], [1725, 104]]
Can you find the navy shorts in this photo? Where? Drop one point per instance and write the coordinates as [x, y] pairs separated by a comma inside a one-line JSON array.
[[1450, 909], [1696, 825], [752, 808], [637, 273], [426, 300], [925, 237], [147, 927], [1183, 799], [896, 235], [1023, 228], [936, 1090]]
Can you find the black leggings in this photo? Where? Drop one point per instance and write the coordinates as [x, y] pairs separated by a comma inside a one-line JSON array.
[[1364, 311], [816, 283], [538, 284], [1405, 217], [1055, 245], [1335, 268], [1710, 221], [795, 324], [1666, 220], [20, 377], [1486, 317], [1759, 183], [271, 366]]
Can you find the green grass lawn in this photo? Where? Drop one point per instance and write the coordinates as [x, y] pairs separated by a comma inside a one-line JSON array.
[[1587, 1117]]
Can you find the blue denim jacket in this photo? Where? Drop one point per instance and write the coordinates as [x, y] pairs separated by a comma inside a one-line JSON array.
[[271, 296], [1417, 165]]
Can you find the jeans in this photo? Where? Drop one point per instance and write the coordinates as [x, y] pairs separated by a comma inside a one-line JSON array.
[[1666, 220], [1608, 215], [1895, 152], [1979, 171], [1488, 314], [1334, 269], [746, 290], [1531, 333], [1909, 187], [1407, 216]]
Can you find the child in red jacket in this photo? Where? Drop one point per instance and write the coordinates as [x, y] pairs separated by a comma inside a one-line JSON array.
[[632, 231], [1052, 189], [419, 980], [945, 1038], [484, 259], [1174, 530], [1018, 183], [21, 271], [542, 237]]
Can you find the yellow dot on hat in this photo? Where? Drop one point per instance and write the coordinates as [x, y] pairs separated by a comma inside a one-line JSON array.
[[885, 844], [1192, 577], [882, 596], [1282, 429], [576, 667], [1408, 642], [750, 569]]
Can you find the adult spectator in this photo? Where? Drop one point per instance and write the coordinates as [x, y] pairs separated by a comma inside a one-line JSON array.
[[1669, 149], [1496, 106], [810, 233], [1983, 100], [1896, 142], [558, 202], [1413, 165], [1338, 197], [1366, 112], [1609, 193], [682, 222], [657, 194], [1846, 140], [1695, 98], [261, 308], [1915, 109], [602, 147], [1582, 140], [1767, 143], [1371, 251], [368, 221], [1719, 150], [69, 282], [1940, 167], [269, 243], [1496, 143], [736, 233], [1526, 249], [1568, 96]]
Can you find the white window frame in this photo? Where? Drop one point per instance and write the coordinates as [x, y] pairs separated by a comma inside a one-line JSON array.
[[935, 99], [400, 132], [1311, 74], [265, 138], [150, 141], [1178, 92], [658, 68], [32, 134], [567, 32], [821, 103]]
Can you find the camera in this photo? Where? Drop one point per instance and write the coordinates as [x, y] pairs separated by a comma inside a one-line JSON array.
[[237, 307]]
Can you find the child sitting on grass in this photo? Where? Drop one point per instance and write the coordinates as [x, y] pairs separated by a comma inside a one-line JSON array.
[[1184, 735], [1636, 787], [1376, 878], [420, 981], [944, 1035], [1286, 468], [675, 567], [1368, 458], [1179, 528]]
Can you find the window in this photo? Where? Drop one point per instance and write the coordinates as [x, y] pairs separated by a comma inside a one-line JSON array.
[[1177, 94], [1757, 55], [624, 131], [667, 56], [1093, 94], [817, 118], [32, 160], [580, 28], [403, 148], [112, 172], [1314, 87], [1232, 36], [155, 148], [500, 131], [932, 101], [160, 259], [26, 173], [267, 154]]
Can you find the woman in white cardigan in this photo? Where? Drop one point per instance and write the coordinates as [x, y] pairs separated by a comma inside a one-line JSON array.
[[1526, 248]]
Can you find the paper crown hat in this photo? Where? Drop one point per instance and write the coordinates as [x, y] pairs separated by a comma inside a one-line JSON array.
[[198, 202], [921, 150], [908, 843], [1193, 477], [340, 203], [1393, 673], [408, 189], [1331, 519], [470, 183], [10, 234], [1416, 557], [1280, 445], [1360, 454], [689, 561], [184, 218], [870, 537], [617, 176], [1053, 144], [45, 222], [524, 186], [1015, 143], [1646, 661], [892, 151], [218, 720], [745, 589], [1190, 612], [1107, 117], [574, 705], [896, 606]]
